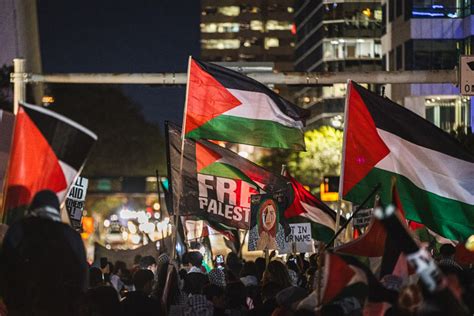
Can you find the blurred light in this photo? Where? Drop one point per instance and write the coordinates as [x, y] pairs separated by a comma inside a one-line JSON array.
[[135, 239], [106, 223], [166, 220], [158, 245], [157, 215], [114, 217], [131, 227], [148, 228], [124, 235], [156, 206], [148, 215], [367, 12], [341, 40], [142, 217], [178, 248], [47, 99], [306, 99], [127, 214], [108, 246], [470, 243], [290, 9], [244, 154]]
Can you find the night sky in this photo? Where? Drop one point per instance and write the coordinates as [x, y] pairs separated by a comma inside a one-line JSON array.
[[123, 36]]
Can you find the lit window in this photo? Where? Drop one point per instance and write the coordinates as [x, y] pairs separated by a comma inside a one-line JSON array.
[[271, 42], [220, 43], [256, 25], [273, 25], [378, 15], [220, 27], [229, 11]]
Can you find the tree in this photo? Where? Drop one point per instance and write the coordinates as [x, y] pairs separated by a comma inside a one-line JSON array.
[[322, 156], [128, 145]]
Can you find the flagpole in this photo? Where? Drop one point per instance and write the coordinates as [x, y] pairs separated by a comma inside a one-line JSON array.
[[183, 131], [344, 137], [374, 190]]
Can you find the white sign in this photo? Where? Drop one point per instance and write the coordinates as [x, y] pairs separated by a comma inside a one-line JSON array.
[[466, 81], [299, 240], [362, 218], [75, 201]]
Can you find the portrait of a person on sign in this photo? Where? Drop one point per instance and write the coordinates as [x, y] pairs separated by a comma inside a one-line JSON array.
[[268, 232]]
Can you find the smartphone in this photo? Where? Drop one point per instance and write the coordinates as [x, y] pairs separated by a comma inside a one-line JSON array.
[[220, 259]]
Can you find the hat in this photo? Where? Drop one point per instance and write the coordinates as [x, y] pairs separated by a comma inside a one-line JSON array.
[[45, 198], [45, 204]]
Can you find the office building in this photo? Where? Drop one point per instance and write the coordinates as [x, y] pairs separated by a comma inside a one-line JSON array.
[[429, 35], [248, 31], [335, 36]]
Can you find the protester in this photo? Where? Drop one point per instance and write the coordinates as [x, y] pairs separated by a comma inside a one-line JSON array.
[[236, 299], [43, 265], [138, 302], [148, 263], [101, 301], [216, 295], [195, 279]]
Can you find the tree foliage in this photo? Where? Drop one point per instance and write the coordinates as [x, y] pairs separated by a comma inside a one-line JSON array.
[[128, 144], [322, 156]]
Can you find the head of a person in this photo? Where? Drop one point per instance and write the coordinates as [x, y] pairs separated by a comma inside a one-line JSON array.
[[95, 277], [195, 258], [119, 268], [148, 263], [45, 204], [143, 281], [249, 268], [270, 290], [136, 260], [447, 251], [292, 263], [260, 265], [277, 272], [215, 294]]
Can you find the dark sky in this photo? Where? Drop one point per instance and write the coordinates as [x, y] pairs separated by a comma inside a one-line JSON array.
[[123, 36]]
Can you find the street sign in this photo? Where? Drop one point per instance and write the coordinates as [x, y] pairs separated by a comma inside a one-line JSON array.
[[466, 81]]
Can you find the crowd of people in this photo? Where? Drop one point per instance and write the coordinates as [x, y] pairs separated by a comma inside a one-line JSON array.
[[43, 271]]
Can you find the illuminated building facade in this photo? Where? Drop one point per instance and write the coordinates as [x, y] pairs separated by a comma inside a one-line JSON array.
[[248, 31], [429, 35], [335, 36]]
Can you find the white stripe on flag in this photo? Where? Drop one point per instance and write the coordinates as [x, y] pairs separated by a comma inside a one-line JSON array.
[[317, 215], [428, 169], [259, 106]]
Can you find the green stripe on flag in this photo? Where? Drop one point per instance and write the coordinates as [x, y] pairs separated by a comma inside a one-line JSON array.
[[449, 218], [251, 132], [224, 170]]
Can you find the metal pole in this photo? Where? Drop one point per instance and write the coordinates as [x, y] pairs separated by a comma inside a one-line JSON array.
[[292, 78], [18, 77]]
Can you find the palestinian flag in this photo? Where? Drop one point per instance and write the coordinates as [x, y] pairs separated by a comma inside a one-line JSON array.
[[306, 205], [434, 173], [215, 183], [48, 152], [340, 280], [225, 105]]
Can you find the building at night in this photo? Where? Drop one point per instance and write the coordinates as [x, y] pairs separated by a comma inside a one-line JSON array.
[[429, 35], [248, 31], [335, 36]]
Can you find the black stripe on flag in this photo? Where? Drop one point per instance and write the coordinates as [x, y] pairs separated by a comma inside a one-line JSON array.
[[70, 141], [395, 119], [235, 80]]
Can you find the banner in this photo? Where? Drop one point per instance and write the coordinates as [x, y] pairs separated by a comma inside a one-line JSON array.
[[75, 201], [215, 183], [266, 227], [299, 239]]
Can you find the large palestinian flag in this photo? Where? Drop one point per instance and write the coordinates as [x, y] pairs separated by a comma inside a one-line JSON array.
[[215, 183], [434, 173], [48, 152], [306, 205], [225, 105]]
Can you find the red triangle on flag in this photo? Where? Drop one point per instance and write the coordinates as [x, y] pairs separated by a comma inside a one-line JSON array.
[[207, 98], [205, 156], [364, 147], [33, 164]]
